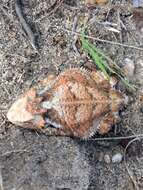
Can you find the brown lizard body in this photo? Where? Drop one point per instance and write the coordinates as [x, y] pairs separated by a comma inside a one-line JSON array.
[[76, 103]]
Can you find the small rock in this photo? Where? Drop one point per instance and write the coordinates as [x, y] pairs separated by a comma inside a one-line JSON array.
[[129, 67], [107, 159], [117, 158], [101, 157], [137, 3], [139, 70]]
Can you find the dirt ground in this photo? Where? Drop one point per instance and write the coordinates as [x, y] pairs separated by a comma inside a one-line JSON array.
[[33, 161]]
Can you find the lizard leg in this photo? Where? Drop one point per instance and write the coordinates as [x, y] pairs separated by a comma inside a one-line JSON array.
[[116, 99], [102, 80], [106, 123]]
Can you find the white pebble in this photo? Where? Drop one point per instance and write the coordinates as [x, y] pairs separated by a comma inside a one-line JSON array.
[[107, 159], [117, 158], [139, 70], [129, 67]]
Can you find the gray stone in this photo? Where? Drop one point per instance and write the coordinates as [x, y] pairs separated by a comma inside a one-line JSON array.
[[107, 159], [117, 158]]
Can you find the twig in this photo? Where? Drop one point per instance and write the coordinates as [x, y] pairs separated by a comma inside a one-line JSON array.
[[107, 25], [125, 161], [54, 132], [14, 151], [24, 24], [74, 37], [106, 41], [116, 138], [1, 124]]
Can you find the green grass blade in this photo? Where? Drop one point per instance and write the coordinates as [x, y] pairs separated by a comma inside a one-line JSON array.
[[97, 59], [101, 61]]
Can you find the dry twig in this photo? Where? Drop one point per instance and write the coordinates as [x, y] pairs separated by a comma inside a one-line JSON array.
[[125, 161], [106, 41], [24, 24], [117, 138], [14, 151]]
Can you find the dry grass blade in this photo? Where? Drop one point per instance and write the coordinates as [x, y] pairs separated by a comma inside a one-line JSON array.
[[14, 151], [107, 41], [125, 161], [116, 138]]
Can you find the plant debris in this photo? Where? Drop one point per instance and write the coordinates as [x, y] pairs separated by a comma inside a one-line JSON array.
[[101, 61], [26, 27]]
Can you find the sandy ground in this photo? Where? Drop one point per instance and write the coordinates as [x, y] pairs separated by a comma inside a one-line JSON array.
[[33, 161]]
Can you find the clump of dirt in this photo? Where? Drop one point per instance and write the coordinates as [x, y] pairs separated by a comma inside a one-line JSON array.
[[30, 160]]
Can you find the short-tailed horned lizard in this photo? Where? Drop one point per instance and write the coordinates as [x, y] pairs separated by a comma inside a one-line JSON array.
[[75, 103]]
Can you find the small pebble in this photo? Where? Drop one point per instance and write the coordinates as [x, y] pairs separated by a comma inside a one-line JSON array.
[[101, 157], [107, 159], [129, 67], [139, 70], [117, 158]]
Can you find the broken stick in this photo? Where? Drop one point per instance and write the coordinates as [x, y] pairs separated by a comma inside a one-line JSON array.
[[24, 24]]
